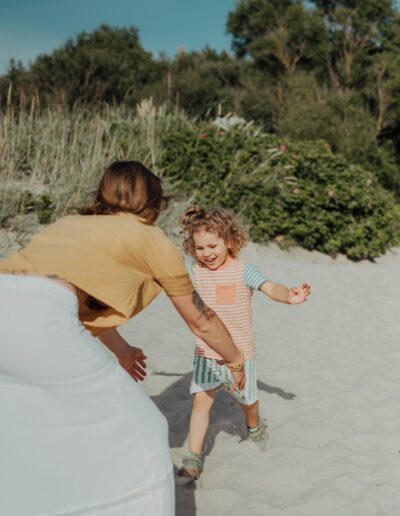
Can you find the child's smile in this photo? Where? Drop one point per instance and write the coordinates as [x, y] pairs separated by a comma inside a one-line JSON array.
[[211, 250]]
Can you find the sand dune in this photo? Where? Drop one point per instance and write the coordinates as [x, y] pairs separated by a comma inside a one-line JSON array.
[[329, 388]]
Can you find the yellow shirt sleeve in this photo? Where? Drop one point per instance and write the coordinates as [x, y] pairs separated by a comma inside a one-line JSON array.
[[167, 266]]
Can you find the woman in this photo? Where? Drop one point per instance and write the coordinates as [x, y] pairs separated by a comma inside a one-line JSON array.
[[78, 436]]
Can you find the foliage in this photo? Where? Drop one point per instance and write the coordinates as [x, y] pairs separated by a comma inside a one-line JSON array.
[[284, 190], [335, 71], [318, 69], [205, 81], [339, 117], [278, 35], [107, 65], [302, 70], [42, 205], [58, 155]]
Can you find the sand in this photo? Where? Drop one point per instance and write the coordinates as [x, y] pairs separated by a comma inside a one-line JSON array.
[[329, 388]]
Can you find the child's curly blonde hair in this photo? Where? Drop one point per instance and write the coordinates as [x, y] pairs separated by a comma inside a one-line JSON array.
[[214, 220]]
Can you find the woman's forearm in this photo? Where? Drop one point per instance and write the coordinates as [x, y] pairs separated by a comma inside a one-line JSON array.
[[205, 324], [215, 335], [115, 342]]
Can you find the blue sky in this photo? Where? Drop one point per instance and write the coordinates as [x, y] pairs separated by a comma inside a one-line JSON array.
[[30, 27]]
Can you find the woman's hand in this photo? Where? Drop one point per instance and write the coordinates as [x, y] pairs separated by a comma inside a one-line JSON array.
[[132, 359], [239, 378], [134, 363]]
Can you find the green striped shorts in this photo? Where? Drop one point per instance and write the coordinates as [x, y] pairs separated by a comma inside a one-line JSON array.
[[208, 374]]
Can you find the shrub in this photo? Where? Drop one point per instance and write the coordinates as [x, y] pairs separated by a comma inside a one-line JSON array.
[[283, 190], [42, 205]]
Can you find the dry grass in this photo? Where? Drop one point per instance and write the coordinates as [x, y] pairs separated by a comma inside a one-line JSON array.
[[51, 160]]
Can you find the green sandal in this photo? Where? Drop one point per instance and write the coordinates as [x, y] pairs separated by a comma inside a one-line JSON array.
[[192, 466], [259, 436]]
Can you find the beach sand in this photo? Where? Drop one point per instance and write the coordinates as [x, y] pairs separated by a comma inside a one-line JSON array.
[[329, 388]]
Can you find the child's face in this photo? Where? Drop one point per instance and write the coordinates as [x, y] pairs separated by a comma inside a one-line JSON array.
[[211, 250]]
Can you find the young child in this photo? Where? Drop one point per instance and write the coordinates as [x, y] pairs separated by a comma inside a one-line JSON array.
[[213, 237]]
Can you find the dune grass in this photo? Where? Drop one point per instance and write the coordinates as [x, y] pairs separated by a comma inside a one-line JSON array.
[[50, 160]]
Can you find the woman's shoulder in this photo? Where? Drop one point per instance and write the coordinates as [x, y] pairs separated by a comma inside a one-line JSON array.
[[123, 221], [104, 230]]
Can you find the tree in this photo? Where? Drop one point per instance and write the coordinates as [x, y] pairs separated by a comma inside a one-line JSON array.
[[358, 29], [15, 87], [108, 64], [280, 35], [200, 81]]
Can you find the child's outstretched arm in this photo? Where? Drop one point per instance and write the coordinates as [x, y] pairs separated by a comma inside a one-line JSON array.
[[291, 296]]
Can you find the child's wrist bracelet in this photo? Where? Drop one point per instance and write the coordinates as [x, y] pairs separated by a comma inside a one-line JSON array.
[[237, 366]]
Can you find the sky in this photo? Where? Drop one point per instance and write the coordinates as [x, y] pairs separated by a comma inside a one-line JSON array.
[[32, 27]]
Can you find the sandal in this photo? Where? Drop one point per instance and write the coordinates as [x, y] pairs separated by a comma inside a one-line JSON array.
[[259, 436], [192, 466]]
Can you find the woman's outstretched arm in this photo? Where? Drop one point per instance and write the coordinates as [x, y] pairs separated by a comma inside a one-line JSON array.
[[206, 324]]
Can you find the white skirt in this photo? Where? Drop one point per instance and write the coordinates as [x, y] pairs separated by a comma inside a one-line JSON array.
[[77, 434]]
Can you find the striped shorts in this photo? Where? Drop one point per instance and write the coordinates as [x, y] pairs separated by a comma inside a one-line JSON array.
[[208, 374]]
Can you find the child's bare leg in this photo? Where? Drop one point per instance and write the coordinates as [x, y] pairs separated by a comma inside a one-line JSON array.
[[199, 419], [192, 463], [251, 414]]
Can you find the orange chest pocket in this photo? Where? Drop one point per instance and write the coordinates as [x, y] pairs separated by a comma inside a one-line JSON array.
[[226, 294]]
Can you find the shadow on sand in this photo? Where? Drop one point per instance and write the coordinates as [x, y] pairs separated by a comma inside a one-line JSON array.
[[226, 416]]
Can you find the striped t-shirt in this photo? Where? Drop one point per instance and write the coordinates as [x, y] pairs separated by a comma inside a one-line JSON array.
[[228, 292]]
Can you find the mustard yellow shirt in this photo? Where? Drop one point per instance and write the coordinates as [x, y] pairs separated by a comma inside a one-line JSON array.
[[118, 260]]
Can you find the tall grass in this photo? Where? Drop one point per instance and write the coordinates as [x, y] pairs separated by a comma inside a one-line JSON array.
[[58, 155]]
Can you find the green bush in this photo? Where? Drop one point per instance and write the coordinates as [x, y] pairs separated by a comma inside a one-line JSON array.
[[288, 191]]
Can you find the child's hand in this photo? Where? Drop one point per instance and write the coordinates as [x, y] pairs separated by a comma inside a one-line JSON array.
[[134, 363], [299, 294]]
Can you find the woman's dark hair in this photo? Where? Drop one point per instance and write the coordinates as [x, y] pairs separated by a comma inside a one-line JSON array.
[[130, 187]]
